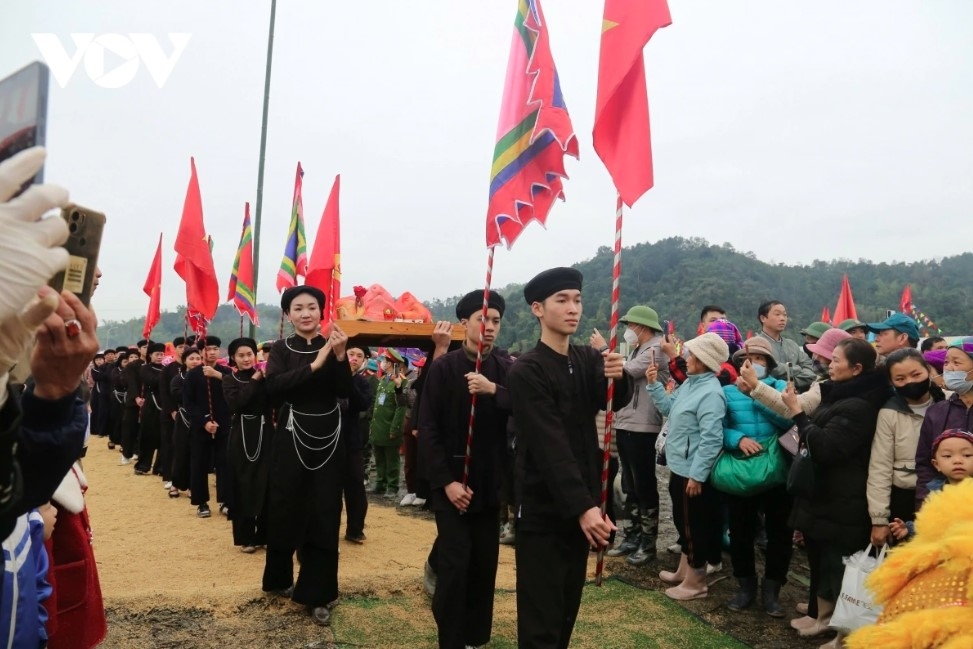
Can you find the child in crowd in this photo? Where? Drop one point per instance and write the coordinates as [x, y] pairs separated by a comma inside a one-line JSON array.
[[25, 586], [952, 455]]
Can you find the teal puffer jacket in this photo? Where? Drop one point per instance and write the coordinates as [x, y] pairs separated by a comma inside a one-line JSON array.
[[748, 418]]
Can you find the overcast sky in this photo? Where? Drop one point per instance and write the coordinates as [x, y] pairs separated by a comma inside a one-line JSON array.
[[795, 130]]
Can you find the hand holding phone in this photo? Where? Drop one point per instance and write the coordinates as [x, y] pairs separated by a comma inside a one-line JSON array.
[[85, 228]]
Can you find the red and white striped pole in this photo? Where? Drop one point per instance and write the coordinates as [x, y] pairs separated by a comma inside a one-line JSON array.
[[612, 346], [479, 360]]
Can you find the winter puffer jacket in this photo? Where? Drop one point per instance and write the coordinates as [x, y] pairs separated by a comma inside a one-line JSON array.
[[748, 418]]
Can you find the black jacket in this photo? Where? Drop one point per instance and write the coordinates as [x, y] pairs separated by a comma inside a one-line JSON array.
[[839, 435]]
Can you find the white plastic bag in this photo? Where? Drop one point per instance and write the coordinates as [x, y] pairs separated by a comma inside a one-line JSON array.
[[855, 607]]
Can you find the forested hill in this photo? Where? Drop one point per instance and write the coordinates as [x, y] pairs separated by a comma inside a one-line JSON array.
[[677, 277]]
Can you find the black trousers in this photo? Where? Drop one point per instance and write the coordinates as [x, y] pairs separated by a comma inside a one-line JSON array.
[[698, 520], [164, 461], [317, 581], [180, 455], [100, 408], [130, 431], [776, 505], [203, 448], [114, 423], [356, 501], [468, 548], [636, 451], [148, 438], [824, 557], [249, 530], [551, 569]]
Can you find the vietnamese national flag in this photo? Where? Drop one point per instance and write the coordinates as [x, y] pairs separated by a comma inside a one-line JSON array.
[[905, 303], [621, 133], [153, 288], [194, 259], [845, 309], [324, 268]]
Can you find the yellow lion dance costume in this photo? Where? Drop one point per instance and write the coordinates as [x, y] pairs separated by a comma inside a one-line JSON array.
[[925, 585]]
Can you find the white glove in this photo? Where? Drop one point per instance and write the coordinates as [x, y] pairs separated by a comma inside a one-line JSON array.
[[16, 333], [30, 252]]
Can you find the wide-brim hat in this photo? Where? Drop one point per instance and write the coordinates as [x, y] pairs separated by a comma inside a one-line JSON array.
[[757, 345], [816, 329], [642, 315], [711, 350], [827, 342]]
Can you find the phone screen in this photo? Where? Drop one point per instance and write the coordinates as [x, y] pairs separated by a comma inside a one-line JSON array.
[[23, 112]]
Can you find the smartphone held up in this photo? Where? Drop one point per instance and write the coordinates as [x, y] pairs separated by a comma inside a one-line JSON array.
[[85, 230]]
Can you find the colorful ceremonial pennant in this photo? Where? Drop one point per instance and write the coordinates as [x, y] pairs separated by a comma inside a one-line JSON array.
[[294, 262], [241, 279], [533, 135]]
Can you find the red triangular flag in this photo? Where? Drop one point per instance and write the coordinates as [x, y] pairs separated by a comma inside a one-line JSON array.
[[621, 133], [845, 309], [905, 302], [324, 268], [153, 288], [194, 259], [826, 315]]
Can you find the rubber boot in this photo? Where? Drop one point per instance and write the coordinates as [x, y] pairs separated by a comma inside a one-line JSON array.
[[820, 625], [692, 587], [629, 544], [680, 573], [745, 596], [771, 597], [650, 533]]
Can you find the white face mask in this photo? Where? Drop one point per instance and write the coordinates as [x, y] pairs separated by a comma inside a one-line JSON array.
[[760, 370], [631, 337]]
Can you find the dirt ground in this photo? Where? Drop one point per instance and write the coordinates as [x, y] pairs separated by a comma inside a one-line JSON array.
[[172, 580]]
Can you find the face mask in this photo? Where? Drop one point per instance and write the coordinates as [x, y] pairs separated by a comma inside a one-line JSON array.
[[631, 337], [956, 381], [914, 390], [760, 370]]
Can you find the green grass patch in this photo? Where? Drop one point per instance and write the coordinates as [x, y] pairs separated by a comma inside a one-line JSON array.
[[615, 616]]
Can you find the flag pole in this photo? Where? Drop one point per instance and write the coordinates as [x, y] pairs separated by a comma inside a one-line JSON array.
[[612, 345], [260, 169], [479, 360]]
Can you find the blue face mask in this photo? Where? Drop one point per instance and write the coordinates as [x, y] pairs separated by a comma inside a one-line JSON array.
[[957, 382], [761, 370]]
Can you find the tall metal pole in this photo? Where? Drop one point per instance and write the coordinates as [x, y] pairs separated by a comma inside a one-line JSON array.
[[263, 152]]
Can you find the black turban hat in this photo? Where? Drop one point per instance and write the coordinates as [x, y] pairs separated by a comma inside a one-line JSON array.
[[294, 291], [550, 281], [242, 342], [472, 302], [155, 347], [208, 341], [178, 340]]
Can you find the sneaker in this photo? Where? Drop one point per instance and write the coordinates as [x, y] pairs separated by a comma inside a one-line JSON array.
[[124, 461], [508, 536], [711, 568], [203, 511], [418, 502], [407, 500], [358, 539], [167, 485], [226, 512], [248, 549]]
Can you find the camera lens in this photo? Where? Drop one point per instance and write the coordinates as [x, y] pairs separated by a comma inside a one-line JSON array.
[[73, 228], [75, 215]]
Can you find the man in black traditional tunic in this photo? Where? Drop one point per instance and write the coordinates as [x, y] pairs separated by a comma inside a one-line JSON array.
[[306, 375], [355, 410], [466, 516], [249, 445], [209, 427], [130, 415], [557, 390]]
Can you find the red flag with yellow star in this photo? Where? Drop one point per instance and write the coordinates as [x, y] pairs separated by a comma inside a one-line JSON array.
[[621, 133]]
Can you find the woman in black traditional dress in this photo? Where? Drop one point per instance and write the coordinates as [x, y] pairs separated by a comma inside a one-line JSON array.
[[191, 357], [306, 374], [248, 447]]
